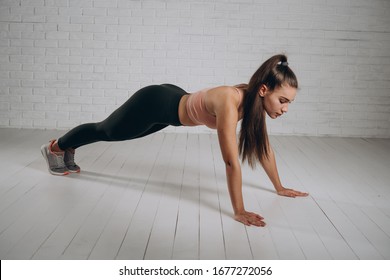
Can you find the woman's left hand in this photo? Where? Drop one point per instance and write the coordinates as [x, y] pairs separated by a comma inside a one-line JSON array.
[[291, 193]]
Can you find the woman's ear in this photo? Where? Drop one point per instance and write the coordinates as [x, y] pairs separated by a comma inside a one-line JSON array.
[[263, 90]]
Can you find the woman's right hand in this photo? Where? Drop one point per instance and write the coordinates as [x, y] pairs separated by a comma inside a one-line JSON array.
[[249, 219]]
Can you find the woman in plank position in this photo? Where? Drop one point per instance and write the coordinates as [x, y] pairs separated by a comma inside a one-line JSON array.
[[270, 90]]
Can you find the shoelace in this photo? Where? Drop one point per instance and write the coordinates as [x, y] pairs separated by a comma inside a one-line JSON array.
[[70, 159], [60, 161]]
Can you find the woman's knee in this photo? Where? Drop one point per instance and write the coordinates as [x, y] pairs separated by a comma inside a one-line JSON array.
[[106, 132]]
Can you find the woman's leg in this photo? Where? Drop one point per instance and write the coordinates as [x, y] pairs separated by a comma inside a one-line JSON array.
[[149, 110], [80, 135]]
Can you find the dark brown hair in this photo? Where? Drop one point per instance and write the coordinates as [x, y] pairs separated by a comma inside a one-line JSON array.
[[253, 138]]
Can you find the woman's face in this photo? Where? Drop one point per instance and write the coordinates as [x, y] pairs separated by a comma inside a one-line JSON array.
[[276, 102]]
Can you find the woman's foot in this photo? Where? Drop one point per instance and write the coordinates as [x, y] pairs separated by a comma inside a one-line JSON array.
[[54, 160], [69, 161]]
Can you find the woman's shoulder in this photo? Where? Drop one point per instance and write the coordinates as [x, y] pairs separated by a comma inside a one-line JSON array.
[[224, 90]]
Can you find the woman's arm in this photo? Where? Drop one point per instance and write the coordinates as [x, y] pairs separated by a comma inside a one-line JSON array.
[[270, 168], [226, 111]]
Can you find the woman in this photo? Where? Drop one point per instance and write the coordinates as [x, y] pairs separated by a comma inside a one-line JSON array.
[[270, 90]]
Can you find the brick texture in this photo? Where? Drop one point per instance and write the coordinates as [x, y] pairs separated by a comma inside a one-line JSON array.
[[67, 62]]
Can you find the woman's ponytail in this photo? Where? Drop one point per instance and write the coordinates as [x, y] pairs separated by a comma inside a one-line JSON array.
[[253, 138]]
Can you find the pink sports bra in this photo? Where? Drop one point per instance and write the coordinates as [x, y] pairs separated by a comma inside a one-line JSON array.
[[197, 111]]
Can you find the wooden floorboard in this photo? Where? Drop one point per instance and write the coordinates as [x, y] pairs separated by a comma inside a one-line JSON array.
[[211, 236], [165, 197], [235, 235], [186, 242], [162, 235], [137, 233], [347, 222], [313, 182]]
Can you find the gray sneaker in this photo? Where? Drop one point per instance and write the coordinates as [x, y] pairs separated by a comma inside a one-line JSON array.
[[55, 161], [69, 162]]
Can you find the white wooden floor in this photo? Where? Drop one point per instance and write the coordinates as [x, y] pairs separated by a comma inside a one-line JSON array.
[[165, 197]]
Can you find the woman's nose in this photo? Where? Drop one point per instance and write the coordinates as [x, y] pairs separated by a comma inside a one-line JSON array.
[[285, 109]]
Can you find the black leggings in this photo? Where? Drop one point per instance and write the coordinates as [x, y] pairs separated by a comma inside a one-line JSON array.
[[150, 109]]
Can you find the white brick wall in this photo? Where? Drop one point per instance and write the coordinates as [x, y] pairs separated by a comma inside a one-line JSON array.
[[66, 62]]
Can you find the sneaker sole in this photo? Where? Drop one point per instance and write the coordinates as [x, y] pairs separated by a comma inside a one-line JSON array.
[[74, 171], [47, 162]]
